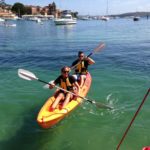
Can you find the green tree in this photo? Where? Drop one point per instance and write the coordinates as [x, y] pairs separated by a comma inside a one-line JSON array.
[[2, 3], [28, 10], [19, 9]]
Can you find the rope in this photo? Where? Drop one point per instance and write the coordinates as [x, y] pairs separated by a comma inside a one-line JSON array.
[[133, 119]]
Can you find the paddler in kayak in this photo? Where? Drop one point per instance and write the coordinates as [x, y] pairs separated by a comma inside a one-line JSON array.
[[66, 82], [81, 67]]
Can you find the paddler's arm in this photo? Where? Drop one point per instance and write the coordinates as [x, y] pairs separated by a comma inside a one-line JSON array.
[[90, 60], [73, 66]]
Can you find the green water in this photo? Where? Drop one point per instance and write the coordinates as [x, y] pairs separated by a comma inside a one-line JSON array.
[[120, 79]]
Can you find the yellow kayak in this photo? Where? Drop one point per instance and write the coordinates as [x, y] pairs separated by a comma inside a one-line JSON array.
[[47, 119]]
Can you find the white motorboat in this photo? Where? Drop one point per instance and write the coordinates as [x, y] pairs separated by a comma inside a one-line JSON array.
[[7, 24], [104, 18], [33, 19], [10, 25], [2, 20], [38, 20], [65, 20]]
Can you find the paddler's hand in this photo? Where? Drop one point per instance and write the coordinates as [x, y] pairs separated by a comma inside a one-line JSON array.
[[52, 85], [86, 58]]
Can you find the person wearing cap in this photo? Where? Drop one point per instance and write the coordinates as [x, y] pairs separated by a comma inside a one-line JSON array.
[[66, 82], [80, 66]]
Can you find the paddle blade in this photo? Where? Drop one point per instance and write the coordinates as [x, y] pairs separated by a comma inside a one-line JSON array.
[[27, 75], [99, 48], [99, 105]]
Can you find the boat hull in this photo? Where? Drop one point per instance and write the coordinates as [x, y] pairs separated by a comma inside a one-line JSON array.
[[47, 119], [64, 22], [136, 18]]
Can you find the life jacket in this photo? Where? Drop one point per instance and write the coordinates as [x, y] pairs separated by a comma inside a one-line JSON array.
[[65, 84], [81, 68]]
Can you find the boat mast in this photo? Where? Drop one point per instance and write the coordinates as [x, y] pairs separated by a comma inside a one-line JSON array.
[[107, 9]]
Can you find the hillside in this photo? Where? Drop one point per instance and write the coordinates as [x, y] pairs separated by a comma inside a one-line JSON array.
[[141, 14]]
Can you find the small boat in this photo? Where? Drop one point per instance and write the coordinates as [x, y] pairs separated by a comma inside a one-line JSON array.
[[2, 20], [65, 20], [104, 18], [136, 18], [38, 20], [33, 19], [47, 119], [10, 25], [84, 18]]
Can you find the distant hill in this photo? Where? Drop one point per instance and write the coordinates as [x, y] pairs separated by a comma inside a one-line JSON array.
[[141, 14]]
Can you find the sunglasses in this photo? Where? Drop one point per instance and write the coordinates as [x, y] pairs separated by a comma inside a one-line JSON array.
[[65, 71], [81, 56]]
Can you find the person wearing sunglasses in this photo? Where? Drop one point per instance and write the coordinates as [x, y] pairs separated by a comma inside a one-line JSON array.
[[80, 66], [66, 82]]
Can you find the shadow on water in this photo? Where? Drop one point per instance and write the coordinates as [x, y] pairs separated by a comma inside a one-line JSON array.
[[30, 136]]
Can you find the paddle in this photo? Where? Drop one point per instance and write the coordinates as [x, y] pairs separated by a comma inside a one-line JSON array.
[[96, 50], [27, 75]]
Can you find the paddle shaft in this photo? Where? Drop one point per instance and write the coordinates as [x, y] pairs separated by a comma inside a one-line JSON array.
[[90, 55], [67, 91], [27, 75], [133, 119], [100, 105]]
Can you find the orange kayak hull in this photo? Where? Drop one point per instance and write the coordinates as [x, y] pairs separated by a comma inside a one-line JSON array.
[[47, 119]]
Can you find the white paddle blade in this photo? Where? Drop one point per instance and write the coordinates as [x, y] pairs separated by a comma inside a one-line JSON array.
[[46, 86], [27, 75]]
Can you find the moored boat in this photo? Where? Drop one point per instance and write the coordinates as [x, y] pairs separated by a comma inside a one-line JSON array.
[[136, 18], [47, 119], [2, 20], [104, 18], [65, 20]]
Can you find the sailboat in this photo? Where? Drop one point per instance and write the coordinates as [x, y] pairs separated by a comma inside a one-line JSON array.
[[105, 18], [136, 17]]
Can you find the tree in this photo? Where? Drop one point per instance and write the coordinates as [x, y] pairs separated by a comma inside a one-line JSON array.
[[2, 3], [28, 10], [19, 9]]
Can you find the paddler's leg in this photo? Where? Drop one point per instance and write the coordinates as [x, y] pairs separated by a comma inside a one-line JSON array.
[[57, 100], [82, 79], [67, 99]]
